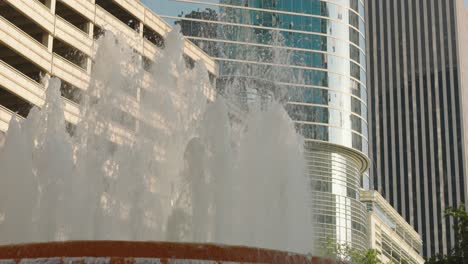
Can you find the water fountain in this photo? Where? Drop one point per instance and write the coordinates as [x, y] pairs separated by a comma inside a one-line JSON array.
[[183, 176]]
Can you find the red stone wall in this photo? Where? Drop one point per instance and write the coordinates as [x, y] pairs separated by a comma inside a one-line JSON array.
[[121, 252]]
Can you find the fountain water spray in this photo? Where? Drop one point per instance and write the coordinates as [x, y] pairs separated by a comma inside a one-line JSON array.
[[180, 176]]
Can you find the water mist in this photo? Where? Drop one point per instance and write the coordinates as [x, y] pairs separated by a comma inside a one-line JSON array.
[[180, 176]]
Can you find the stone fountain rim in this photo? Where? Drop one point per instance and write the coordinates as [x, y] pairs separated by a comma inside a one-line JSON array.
[[125, 250]]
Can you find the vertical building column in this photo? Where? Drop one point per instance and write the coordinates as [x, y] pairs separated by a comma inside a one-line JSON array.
[[140, 32], [90, 29], [89, 61], [47, 38], [140, 28], [51, 4]]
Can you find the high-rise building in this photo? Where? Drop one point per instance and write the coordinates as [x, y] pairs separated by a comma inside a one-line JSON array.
[[311, 55], [418, 97]]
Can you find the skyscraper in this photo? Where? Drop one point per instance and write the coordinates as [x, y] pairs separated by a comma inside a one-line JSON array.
[[313, 53], [417, 101]]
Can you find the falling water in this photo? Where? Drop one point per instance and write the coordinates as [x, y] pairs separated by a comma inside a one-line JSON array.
[[182, 176]]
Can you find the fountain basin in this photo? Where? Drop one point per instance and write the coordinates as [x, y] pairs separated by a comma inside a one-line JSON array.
[[124, 252]]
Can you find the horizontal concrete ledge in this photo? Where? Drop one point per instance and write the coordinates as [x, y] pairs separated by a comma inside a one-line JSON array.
[[129, 252], [361, 158]]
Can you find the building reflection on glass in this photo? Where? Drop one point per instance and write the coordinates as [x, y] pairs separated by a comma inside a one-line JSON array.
[[308, 54]]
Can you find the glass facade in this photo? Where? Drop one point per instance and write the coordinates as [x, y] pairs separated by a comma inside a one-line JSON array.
[[310, 54]]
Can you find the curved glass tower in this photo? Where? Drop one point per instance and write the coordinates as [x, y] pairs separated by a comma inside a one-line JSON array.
[[311, 55]]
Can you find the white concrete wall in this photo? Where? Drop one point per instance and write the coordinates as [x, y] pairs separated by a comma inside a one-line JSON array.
[[377, 227]]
